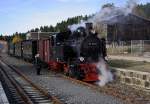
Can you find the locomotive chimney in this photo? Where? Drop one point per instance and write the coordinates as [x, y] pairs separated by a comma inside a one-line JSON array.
[[89, 26]]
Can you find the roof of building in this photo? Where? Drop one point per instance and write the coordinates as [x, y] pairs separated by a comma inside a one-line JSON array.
[[126, 19]]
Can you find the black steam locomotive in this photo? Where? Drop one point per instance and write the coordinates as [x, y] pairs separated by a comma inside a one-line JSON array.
[[77, 52]]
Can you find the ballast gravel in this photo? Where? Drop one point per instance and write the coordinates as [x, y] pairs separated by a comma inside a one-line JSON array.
[[65, 90]]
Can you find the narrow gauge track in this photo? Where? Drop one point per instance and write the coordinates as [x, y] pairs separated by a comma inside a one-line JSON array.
[[22, 90], [113, 90]]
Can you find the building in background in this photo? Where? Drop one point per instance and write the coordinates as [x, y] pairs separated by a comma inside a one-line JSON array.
[[124, 28]]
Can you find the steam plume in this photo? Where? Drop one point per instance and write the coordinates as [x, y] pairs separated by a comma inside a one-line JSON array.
[[107, 13], [75, 26], [105, 74]]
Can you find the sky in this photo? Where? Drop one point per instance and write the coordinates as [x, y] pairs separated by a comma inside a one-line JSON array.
[[23, 15]]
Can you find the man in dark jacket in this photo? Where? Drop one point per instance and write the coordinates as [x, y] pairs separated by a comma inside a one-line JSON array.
[[38, 64]]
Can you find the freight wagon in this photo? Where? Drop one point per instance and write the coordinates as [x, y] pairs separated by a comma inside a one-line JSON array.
[[29, 49], [18, 50], [11, 48], [26, 49]]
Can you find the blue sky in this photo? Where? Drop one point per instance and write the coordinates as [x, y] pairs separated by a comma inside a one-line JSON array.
[[23, 15]]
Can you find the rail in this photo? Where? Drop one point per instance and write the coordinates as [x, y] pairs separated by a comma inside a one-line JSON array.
[[28, 89]]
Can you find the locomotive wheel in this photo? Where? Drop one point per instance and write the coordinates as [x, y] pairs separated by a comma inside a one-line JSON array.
[[76, 74], [80, 75]]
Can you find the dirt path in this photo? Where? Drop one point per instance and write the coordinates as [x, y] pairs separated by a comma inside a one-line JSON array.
[[132, 58]]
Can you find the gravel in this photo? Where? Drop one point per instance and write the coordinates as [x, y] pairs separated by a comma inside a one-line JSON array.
[[66, 90]]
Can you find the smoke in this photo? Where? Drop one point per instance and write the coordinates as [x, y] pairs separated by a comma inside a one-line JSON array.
[[76, 26], [131, 4], [105, 75], [106, 14]]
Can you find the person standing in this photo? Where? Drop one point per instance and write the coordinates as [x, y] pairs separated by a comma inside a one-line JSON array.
[[38, 64]]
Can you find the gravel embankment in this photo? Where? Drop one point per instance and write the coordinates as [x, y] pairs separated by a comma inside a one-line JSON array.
[[69, 92]]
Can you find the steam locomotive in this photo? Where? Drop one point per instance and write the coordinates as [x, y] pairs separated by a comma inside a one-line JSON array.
[[73, 53]]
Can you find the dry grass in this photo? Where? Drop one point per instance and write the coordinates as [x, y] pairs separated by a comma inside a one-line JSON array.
[[131, 65]]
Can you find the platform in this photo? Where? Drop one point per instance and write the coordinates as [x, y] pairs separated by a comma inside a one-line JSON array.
[[3, 98]]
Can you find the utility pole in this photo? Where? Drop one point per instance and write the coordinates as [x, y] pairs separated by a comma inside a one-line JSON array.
[[39, 34]]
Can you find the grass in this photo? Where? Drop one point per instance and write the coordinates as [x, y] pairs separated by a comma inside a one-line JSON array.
[[131, 65]]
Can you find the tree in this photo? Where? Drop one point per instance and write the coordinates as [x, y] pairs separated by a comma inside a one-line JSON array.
[[36, 29], [1, 37], [143, 10], [51, 29], [16, 39]]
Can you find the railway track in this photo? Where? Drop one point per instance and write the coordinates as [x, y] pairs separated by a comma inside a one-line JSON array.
[[111, 89], [21, 90]]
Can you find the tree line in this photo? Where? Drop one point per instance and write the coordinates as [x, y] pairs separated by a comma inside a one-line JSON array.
[[143, 10], [62, 26]]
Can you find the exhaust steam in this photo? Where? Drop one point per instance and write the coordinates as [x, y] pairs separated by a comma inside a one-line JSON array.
[[105, 75]]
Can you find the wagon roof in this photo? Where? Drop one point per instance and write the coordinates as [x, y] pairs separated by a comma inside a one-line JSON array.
[[41, 35]]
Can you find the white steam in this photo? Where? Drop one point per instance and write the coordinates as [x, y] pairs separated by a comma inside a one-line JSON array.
[[76, 26], [105, 14], [131, 4], [105, 75]]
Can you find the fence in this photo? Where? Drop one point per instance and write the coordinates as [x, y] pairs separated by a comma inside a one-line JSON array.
[[134, 48]]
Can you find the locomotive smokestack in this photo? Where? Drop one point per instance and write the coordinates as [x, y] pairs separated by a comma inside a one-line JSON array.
[[89, 26]]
